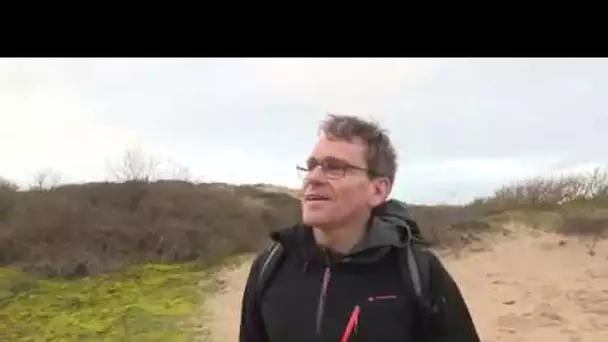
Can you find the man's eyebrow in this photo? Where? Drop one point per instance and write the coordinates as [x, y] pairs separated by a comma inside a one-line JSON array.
[[336, 159], [327, 158]]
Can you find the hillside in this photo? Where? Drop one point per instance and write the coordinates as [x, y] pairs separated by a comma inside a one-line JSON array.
[[80, 230]]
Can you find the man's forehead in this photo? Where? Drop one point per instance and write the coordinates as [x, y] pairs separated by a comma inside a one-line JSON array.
[[328, 146], [328, 138]]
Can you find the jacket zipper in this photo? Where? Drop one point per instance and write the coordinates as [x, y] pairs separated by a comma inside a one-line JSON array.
[[322, 296]]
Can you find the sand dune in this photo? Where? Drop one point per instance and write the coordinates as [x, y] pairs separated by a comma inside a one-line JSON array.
[[534, 287], [525, 287]]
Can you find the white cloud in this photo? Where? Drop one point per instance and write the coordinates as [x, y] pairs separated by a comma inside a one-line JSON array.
[[479, 169], [361, 86], [46, 125], [461, 126]]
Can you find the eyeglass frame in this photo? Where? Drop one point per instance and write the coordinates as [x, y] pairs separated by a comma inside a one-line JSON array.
[[345, 167]]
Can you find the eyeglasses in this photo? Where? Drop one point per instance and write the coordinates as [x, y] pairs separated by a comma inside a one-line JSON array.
[[332, 168]]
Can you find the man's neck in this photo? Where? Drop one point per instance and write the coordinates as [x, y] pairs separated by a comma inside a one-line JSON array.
[[341, 239]]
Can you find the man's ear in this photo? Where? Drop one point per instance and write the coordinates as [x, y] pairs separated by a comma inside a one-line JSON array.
[[381, 188]]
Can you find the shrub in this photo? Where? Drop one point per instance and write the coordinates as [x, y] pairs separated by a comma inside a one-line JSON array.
[[585, 223], [442, 225], [548, 193], [8, 199], [79, 230]]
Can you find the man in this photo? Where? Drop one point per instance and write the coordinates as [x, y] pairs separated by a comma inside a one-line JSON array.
[[339, 274]]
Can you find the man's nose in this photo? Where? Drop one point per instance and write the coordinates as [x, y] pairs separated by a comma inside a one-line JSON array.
[[316, 174]]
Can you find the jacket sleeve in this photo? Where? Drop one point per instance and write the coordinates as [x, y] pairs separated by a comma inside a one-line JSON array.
[[252, 326], [453, 322]]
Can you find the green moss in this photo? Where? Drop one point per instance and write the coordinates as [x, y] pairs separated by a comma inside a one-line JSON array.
[[143, 303]]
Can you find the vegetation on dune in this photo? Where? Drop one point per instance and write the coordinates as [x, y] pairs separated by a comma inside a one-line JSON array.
[[572, 205], [142, 303], [80, 230]]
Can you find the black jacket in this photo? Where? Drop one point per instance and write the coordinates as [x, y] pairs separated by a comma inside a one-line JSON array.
[[316, 295]]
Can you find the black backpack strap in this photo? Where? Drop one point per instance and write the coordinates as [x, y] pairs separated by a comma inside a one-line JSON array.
[[415, 269], [415, 264], [271, 262]]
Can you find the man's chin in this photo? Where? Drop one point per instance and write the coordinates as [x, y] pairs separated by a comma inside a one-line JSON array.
[[317, 222]]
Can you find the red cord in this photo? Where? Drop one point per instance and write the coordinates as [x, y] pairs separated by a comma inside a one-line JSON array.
[[353, 322]]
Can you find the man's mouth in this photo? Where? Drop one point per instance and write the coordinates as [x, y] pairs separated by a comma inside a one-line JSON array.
[[316, 198]]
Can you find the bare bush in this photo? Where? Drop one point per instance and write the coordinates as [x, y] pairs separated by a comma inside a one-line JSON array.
[[596, 186], [172, 170], [548, 193], [138, 167], [46, 179], [537, 191], [134, 166]]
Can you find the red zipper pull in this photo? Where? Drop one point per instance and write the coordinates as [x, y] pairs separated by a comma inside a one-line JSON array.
[[353, 323]]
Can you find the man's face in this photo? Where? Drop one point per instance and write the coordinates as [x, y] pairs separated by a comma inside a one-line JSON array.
[[342, 193]]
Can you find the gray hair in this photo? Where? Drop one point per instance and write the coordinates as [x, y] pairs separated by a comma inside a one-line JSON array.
[[381, 155]]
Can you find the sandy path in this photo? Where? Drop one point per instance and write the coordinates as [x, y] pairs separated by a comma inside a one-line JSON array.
[[523, 289], [226, 304]]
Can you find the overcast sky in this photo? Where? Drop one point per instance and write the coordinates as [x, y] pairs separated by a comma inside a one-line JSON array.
[[462, 127]]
